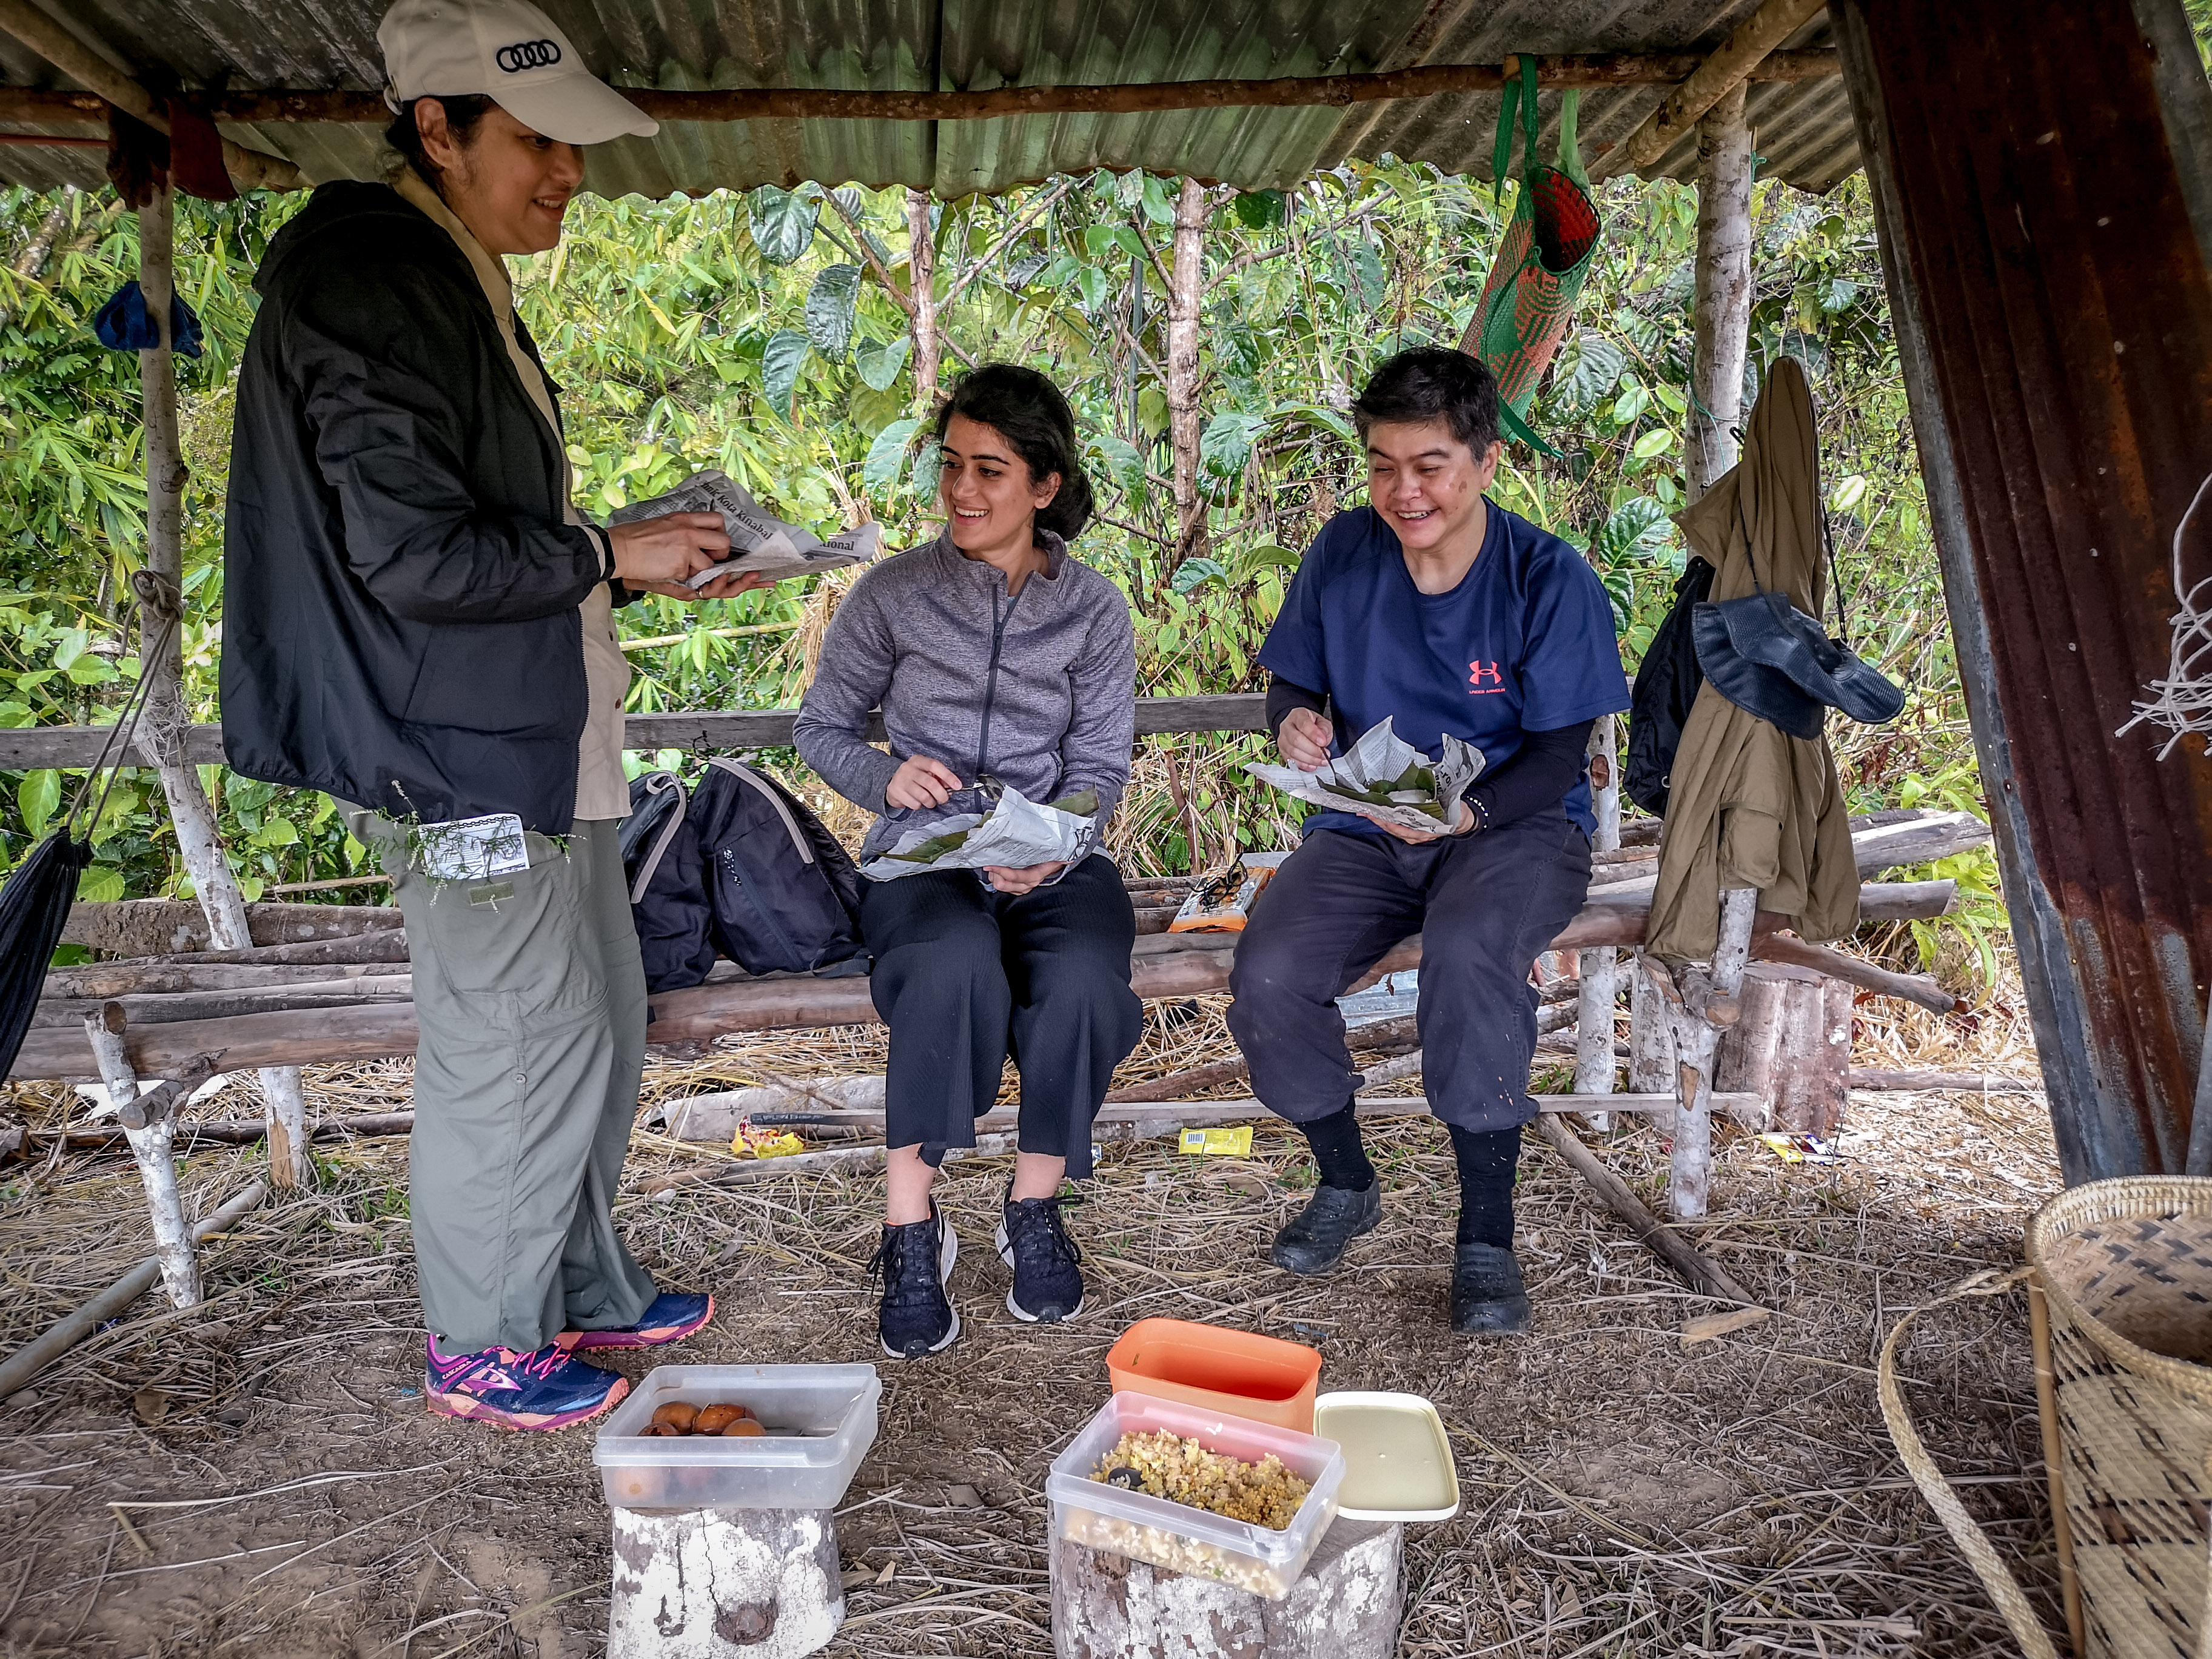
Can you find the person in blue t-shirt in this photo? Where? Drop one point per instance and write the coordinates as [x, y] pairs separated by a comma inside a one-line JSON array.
[[1437, 608]]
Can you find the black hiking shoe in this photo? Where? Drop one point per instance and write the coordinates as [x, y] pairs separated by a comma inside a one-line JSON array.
[[1313, 1241], [1032, 1240], [914, 1262], [1487, 1296]]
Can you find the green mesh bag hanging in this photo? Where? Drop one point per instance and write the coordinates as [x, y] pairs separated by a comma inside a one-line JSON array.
[[1542, 260]]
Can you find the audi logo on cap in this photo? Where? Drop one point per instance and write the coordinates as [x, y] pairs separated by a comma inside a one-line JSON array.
[[528, 55]]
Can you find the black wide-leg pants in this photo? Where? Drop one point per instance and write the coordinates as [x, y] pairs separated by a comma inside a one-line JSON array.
[[1485, 907], [964, 973]]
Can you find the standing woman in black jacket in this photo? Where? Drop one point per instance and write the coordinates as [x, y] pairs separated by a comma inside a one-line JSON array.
[[418, 622]]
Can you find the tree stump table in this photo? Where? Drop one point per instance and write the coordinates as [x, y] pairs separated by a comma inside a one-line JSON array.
[[1345, 1605], [724, 1585]]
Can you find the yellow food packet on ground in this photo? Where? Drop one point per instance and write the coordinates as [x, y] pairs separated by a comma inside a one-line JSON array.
[[1225, 1143], [750, 1142]]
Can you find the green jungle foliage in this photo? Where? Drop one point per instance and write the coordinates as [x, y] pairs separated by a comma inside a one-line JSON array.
[[764, 333]]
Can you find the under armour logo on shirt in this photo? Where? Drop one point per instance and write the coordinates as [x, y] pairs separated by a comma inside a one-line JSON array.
[[528, 55], [1478, 672]]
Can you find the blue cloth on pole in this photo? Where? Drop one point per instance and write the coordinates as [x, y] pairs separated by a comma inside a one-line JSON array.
[[124, 324]]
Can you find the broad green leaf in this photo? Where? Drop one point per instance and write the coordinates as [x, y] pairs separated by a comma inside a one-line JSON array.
[[1657, 442], [1159, 206], [1125, 464], [782, 223], [1226, 444], [99, 882], [1098, 240], [89, 669], [1636, 530], [887, 455], [1848, 493], [1588, 369], [1193, 572], [830, 306], [68, 645], [250, 888], [277, 832], [1263, 555], [1260, 210], [879, 364], [1367, 266], [37, 796], [1632, 401], [785, 356], [1093, 283]]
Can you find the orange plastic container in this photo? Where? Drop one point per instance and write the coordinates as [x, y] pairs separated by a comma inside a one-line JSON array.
[[1260, 1378]]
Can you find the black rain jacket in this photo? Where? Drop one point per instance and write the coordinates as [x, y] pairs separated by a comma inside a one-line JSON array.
[[400, 592]]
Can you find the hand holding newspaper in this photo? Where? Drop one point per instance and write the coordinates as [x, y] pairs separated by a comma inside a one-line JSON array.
[[1385, 778], [1016, 834], [759, 541]]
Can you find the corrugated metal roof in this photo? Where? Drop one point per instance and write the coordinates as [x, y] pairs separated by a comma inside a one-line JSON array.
[[1804, 128]]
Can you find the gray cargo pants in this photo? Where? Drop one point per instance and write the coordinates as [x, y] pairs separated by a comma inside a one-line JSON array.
[[531, 999]]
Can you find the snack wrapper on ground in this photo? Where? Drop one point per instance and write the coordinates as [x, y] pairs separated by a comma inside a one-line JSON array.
[[1016, 834], [1222, 903], [759, 541], [1383, 777]]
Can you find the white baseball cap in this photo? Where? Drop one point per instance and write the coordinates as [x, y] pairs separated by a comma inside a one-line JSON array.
[[511, 52]]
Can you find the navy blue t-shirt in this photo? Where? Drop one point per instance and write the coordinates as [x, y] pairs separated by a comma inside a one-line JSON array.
[[1524, 643]]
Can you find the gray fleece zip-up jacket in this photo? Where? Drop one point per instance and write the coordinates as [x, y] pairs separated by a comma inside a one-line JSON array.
[[1038, 689]]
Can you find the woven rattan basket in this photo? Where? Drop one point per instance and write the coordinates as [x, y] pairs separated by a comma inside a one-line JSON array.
[[2120, 1299]]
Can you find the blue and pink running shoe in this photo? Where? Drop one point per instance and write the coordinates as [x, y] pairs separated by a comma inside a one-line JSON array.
[[544, 1388], [672, 1316]]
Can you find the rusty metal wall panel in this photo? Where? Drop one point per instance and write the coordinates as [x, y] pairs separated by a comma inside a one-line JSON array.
[[2058, 316], [1804, 128]]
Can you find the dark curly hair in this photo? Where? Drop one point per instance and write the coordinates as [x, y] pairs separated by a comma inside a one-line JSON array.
[[464, 111], [1029, 411]]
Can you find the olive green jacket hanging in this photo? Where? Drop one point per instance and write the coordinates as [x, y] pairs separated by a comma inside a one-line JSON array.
[[1750, 805]]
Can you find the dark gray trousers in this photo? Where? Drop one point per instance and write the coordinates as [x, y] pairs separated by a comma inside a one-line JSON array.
[[961, 972], [1485, 907]]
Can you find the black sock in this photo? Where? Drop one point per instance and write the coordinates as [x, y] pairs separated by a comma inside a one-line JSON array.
[[1486, 1163], [1337, 1150]]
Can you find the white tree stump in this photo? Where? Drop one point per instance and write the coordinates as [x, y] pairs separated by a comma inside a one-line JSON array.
[[724, 1585], [1791, 1046], [1345, 1605]]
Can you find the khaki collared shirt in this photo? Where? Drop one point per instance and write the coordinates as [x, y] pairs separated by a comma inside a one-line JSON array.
[[602, 791]]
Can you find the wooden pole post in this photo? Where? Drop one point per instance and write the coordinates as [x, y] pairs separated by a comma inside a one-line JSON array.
[[1720, 303], [1699, 1004], [1595, 1072], [921, 281], [167, 719], [1186, 291], [152, 1141]]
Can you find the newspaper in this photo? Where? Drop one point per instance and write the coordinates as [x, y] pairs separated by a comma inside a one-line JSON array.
[[1015, 834], [759, 541], [1385, 778]]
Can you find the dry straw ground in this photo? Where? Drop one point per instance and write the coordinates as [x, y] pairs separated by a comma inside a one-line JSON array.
[[260, 1476]]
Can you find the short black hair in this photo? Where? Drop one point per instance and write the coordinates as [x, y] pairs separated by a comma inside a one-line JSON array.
[[1030, 412], [463, 112], [1433, 383]]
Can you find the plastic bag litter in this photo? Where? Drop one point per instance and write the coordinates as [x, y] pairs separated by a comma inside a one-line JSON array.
[[1383, 777], [759, 541], [1016, 834]]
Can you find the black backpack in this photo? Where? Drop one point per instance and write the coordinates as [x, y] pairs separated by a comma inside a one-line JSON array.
[[735, 866], [1667, 685]]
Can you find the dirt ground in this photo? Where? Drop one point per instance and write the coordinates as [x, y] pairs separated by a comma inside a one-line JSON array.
[[260, 1475]]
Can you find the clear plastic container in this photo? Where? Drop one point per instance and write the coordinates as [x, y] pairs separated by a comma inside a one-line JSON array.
[[821, 1421], [1176, 1536]]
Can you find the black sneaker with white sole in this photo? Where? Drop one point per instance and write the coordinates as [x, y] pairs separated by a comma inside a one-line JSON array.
[[1032, 1239], [914, 1262]]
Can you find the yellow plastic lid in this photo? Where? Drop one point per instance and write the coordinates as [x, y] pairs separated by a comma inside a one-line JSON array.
[[1397, 1459]]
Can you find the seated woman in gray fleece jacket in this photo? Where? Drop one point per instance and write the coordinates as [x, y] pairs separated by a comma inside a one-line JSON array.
[[989, 650]]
